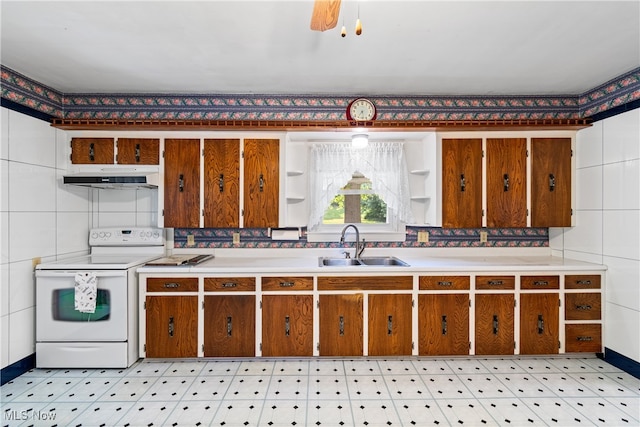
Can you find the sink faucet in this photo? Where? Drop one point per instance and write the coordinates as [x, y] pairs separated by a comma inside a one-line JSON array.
[[359, 245]]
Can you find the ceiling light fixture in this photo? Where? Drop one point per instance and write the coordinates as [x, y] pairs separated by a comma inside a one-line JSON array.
[[359, 140]]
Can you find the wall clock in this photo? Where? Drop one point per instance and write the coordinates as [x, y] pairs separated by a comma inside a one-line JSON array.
[[361, 110]]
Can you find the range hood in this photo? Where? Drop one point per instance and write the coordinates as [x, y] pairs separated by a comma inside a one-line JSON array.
[[113, 178]]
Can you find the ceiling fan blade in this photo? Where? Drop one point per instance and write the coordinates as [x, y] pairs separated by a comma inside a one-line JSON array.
[[325, 14]]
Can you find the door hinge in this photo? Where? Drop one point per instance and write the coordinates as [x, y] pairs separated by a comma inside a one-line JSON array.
[[571, 153], [527, 212], [163, 154], [413, 345], [527, 151], [318, 304], [242, 212], [242, 154], [413, 303], [144, 305], [162, 212], [116, 158], [260, 346], [469, 302], [260, 305], [515, 303], [559, 344], [469, 345], [559, 302], [571, 212], [318, 346], [514, 344], [144, 348], [203, 305], [202, 212], [482, 212], [483, 154], [202, 348]]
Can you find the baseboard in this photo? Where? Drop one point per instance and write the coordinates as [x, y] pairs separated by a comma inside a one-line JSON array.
[[18, 368], [620, 361]]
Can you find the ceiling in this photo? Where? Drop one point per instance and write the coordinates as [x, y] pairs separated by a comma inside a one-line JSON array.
[[266, 47]]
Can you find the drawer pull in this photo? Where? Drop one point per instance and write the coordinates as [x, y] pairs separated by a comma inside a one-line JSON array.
[[583, 307], [444, 325], [221, 183], [495, 324], [583, 282], [171, 326], [552, 182], [540, 324], [541, 283], [261, 183], [390, 325], [495, 282], [287, 284], [229, 325], [579, 338], [181, 183], [171, 285], [229, 285], [505, 182], [463, 183], [445, 283], [92, 152], [137, 153], [341, 323], [287, 326]]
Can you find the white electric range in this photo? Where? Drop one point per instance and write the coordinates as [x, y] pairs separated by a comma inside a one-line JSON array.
[[67, 337]]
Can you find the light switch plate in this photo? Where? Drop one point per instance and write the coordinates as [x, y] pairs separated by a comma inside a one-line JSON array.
[[236, 238], [423, 236], [191, 240], [483, 237]]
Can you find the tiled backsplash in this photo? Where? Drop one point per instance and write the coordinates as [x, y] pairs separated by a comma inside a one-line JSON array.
[[210, 238]]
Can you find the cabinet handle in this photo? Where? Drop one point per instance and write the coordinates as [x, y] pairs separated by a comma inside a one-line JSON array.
[[540, 324], [495, 282], [444, 325], [287, 284], [579, 338], [463, 182], [495, 324], [583, 307], [287, 326], [540, 283], [552, 182], [92, 151], [171, 326], [341, 323], [505, 182], [221, 182], [172, 285], [261, 183], [390, 325], [138, 153], [181, 183], [229, 326], [583, 282], [229, 285], [445, 283]]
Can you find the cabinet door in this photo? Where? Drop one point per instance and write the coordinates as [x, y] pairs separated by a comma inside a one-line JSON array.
[[443, 324], [172, 326], [287, 325], [229, 325], [462, 183], [494, 315], [182, 183], [138, 151], [261, 182], [341, 325], [539, 323], [389, 325], [221, 183], [92, 150], [551, 182], [507, 182]]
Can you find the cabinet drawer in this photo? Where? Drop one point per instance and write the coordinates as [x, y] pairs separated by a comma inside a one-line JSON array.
[[229, 284], [582, 282], [495, 282], [587, 338], [540, 282], [447, 283], [172, 284], [287, 283], [582, 306], [365, 283]]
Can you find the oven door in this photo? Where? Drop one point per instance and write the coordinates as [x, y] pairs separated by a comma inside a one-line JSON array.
[[58, 320]]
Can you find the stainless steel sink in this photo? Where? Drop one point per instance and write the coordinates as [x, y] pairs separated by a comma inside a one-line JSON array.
[[383, 261]]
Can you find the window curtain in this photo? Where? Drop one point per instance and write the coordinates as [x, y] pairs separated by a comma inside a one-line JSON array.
[[333, 165]]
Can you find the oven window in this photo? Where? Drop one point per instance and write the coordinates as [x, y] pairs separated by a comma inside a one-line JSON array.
[[64, 306]]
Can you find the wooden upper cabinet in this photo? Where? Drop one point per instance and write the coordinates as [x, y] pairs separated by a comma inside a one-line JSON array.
[[462, 183], [506, 182], [551, 182], [182, 183], [138, 151], [261, 182], [222, 183], [92, 150]]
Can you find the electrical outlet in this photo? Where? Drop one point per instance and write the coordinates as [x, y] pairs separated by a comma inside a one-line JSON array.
[[423, 236], [191, 240], [483, 237], [35, 261], [236, 238]]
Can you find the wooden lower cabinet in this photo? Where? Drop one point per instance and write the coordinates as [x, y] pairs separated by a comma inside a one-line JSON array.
[[172, 326], [539, 323], [443, 324], [229, 325], [389, 325], [287, 325], [494, 318], [341, 325]]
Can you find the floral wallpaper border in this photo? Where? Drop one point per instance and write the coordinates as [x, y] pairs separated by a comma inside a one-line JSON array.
[[24, 91]]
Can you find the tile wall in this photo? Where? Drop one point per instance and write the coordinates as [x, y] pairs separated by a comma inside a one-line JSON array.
[[607, 226]]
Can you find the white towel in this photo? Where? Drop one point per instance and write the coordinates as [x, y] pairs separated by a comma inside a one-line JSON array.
[[86, 290]]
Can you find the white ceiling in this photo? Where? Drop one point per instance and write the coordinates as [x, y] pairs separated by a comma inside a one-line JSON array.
[[266, 47]]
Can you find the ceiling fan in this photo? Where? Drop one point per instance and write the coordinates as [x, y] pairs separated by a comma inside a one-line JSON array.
[[325, 14]]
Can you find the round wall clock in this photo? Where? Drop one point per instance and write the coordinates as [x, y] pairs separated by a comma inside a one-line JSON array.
[[361, 110]]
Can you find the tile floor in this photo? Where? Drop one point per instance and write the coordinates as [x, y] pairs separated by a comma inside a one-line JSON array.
[[516, 391]]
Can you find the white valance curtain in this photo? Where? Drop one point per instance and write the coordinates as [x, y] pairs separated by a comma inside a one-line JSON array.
[[333, 165]]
